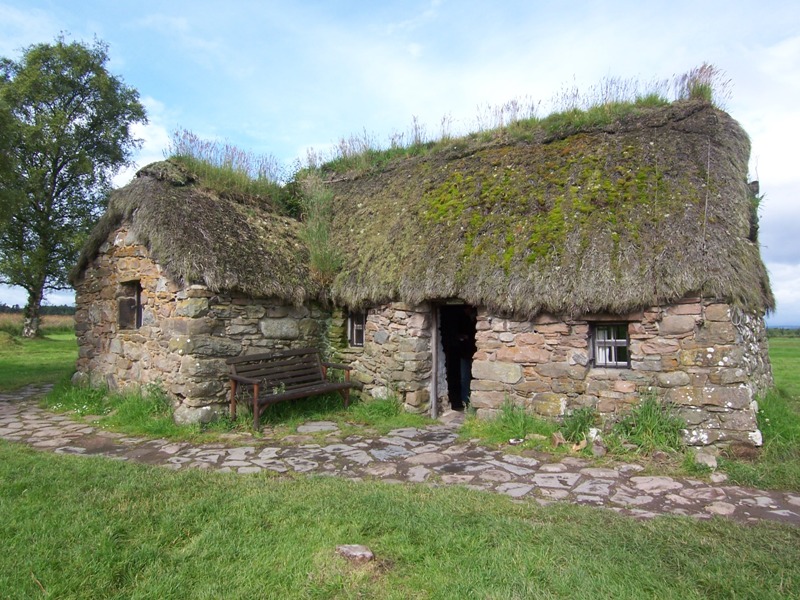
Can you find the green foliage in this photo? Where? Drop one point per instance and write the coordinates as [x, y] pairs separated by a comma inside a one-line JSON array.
[[706, 83], [317, 208], [144, 410], [512, 422], [83, 528], [779, 332], [577, 424], [572, 110], [71, 124], [651, 426], [35, 361], [777, 465], [232, 172]]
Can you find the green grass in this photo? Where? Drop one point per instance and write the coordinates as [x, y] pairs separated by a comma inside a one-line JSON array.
[[513, 422], [778, 463], [147, 411], [76, 527], [651, 426], [43, 360]]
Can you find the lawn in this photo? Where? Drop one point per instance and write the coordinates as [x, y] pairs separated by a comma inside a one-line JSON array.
[[43, 360], [76, 527]]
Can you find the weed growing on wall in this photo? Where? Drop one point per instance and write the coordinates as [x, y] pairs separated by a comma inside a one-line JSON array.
[[316, 201]]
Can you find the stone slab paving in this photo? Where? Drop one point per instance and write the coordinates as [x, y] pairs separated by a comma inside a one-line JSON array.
[[433, 456]]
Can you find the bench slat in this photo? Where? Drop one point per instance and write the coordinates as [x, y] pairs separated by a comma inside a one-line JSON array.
[[284, 375]]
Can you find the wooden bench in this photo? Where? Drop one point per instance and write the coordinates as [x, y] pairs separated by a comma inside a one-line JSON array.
[[287, 375]]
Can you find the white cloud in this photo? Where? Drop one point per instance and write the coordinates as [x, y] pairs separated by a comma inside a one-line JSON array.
[[155, 136], [20, 28], [785, 280]]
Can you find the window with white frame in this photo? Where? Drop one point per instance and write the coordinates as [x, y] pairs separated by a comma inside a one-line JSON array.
[[610, 346], [356, 325]]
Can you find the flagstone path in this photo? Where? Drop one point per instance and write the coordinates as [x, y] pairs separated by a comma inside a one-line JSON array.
[[433, 455]]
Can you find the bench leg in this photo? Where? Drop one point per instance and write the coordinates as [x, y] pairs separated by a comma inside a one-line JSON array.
[[233, 399], [255, 407]]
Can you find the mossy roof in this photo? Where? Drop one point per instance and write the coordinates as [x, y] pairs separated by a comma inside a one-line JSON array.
[[198, 236], [632, 214], [636, 213]]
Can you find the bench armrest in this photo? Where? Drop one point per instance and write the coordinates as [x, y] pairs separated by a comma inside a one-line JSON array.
[[337, 366]]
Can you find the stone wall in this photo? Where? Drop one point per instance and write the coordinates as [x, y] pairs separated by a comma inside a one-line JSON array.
[[707, 358], [396, 358], [186, 333]]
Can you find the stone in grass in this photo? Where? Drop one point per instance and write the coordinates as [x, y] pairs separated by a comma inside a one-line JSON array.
[[705, 459], [598, 449], [317, 427], [355, 553]]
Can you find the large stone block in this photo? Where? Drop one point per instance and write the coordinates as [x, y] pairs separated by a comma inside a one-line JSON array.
[[185, 326], [523, 354], [205, 345], [193, 366], [497, 371], [739, 420], [419, 321], [673, 379], [555, 369], [735, 398], [657, 346], [286, 328], [192, 307], [676, 325], [716, 332], [549, 404], [718, 312], [483, 400]]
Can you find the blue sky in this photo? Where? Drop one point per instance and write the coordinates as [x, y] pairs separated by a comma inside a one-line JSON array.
[[280, 77]]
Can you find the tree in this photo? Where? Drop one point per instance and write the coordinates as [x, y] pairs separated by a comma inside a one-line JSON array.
[[69, 123]]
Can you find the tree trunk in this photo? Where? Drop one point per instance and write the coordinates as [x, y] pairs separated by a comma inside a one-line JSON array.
[[31, 319]]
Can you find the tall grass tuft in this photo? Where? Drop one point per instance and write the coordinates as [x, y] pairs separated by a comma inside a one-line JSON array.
[[652, 426], [576, 425], [511, 422], [231, 171], [571, 109], [316, 202]]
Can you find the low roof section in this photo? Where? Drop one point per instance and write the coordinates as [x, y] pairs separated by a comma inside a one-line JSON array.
[[230, 244]]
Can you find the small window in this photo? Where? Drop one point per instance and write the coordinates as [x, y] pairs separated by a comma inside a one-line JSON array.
[[130, 305], [356, 324], [610, 345]]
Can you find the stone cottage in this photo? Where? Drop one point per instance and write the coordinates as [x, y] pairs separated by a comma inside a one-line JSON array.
[[551, 269]]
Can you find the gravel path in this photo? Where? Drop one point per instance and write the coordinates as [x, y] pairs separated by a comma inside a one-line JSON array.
[[432, 455]]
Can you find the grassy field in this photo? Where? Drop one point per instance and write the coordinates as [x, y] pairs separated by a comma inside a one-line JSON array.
[[778, 463], [47, 359], [76, 527]]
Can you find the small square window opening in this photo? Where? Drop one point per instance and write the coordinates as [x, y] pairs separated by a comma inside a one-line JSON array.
[[610, 346], [356, 325], [129, 304]]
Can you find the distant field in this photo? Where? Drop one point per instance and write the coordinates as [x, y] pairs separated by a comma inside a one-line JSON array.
[[12, 323]]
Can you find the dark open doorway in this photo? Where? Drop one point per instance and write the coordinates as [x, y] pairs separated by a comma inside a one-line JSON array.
[[457, 325]]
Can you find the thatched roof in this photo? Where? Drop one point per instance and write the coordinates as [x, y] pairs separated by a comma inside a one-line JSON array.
[[614, 219], [228, 244]]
